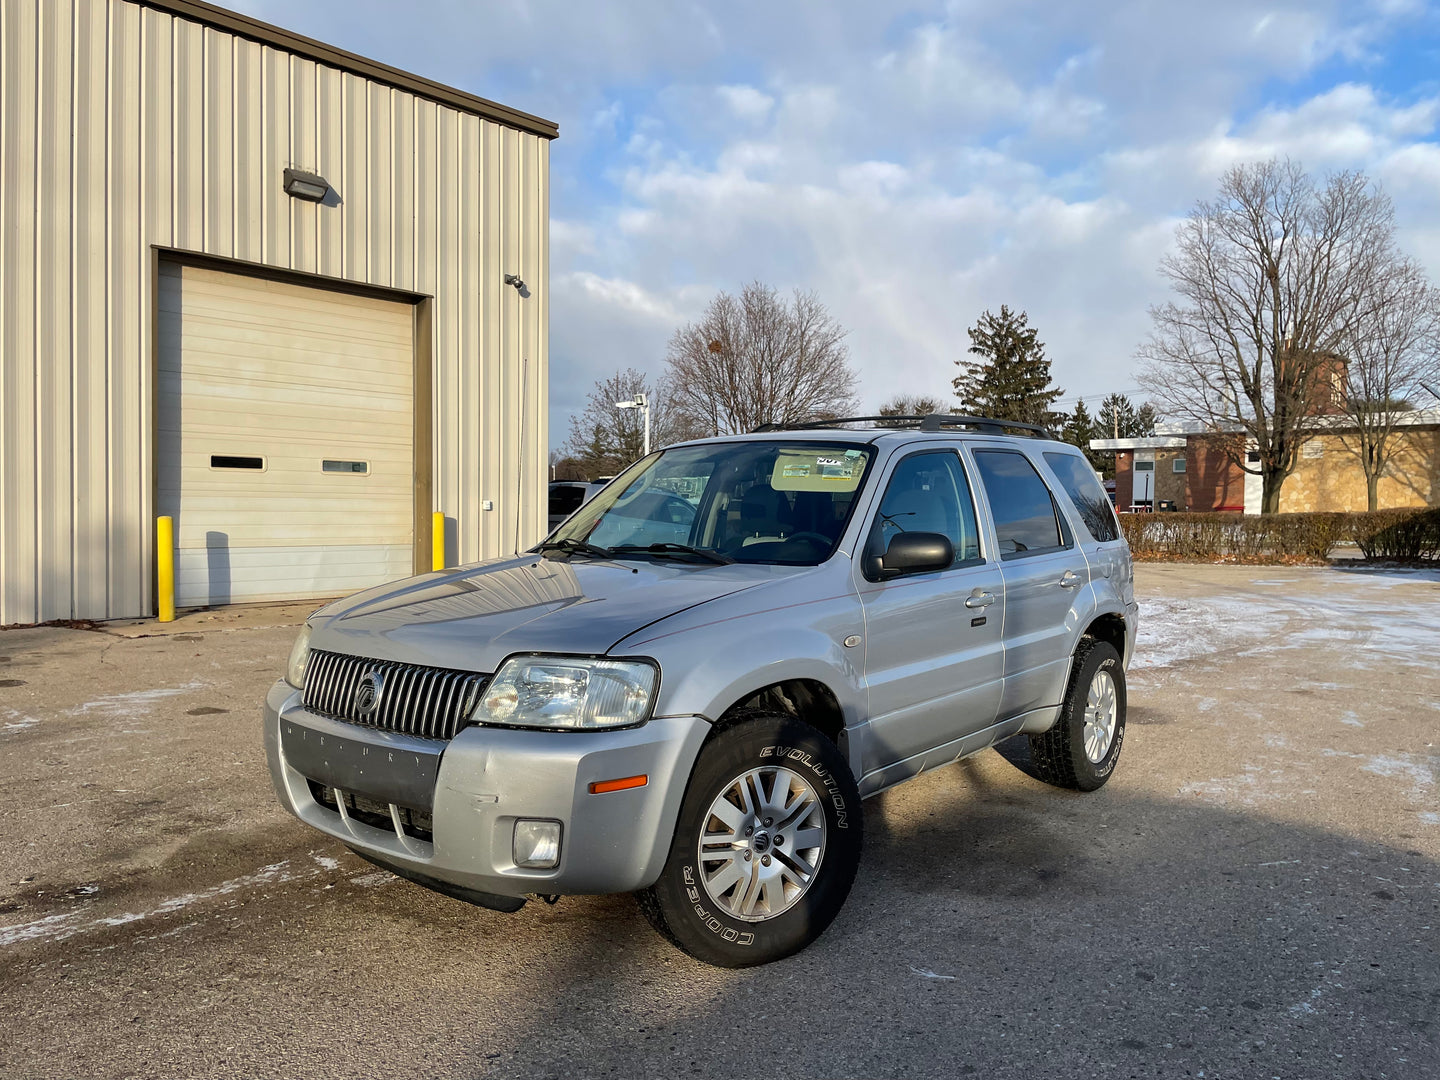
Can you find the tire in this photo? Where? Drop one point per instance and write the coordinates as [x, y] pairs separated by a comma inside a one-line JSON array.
[[1063, 756], [732, 911]]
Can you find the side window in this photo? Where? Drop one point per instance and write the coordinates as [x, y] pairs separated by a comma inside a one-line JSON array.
[[1081, 484], [1020, 503], [928, 492]]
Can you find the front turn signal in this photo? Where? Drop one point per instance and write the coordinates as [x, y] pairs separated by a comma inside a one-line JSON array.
[[600, 787]]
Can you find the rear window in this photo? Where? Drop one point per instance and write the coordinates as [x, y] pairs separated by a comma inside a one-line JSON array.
[[566, 500], [1020, 503], [1083, 487]]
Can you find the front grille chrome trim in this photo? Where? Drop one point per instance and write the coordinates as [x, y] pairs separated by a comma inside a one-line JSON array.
[[427, 702]]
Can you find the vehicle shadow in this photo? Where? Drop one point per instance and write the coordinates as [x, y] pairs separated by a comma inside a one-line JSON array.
[[1002, 928]]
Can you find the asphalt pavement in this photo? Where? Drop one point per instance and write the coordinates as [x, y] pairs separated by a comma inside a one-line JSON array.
[[1255, 894]]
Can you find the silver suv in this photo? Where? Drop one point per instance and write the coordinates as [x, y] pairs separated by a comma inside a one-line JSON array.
[[687, 689]]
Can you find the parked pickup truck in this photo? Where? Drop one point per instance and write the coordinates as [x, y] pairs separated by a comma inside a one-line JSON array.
[[688, 688]]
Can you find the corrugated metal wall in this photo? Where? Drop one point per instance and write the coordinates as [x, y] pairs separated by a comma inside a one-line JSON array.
[[124, 128]]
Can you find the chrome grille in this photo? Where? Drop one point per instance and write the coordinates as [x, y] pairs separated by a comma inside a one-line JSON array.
[[430, 702]]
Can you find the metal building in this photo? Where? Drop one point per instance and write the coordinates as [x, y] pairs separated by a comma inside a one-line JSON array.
[[294, 298]]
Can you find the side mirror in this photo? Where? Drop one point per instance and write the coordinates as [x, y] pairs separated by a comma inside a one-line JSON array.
[[916, 553]]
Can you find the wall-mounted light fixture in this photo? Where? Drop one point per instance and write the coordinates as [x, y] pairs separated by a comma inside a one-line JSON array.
[[519, 283], [308, 186]]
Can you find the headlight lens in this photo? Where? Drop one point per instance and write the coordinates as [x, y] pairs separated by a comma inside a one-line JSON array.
[[565, 692], [299, 660]]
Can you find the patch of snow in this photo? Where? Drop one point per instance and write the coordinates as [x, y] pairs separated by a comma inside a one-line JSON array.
[[56, 928], [134, 704], [1419, 775], [16, 720], [1175, 629], [1254, 785], [370, 881], [325, 861], [1349, 717], [1348, 618], [49, 926]]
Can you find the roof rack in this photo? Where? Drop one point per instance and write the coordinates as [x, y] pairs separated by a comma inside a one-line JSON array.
[[988, 425]]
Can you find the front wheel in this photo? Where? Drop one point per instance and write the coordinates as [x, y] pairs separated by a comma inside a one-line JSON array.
[[1081, 750], [765, 849]]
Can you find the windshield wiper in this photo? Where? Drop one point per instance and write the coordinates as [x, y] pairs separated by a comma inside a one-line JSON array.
[[675, 549], [571, 546]]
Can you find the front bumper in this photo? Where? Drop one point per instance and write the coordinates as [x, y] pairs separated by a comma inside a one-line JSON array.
[[483, 781]]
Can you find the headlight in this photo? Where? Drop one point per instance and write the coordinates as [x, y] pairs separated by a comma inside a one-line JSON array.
[[299, 659], [565, 692]]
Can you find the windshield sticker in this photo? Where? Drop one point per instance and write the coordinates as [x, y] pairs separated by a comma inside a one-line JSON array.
[[801, 470]]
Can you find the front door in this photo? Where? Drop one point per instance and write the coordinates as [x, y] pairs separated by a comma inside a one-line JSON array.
[[934, 657]]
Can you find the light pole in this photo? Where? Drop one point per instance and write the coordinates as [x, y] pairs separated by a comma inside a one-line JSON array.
[[641, 402]]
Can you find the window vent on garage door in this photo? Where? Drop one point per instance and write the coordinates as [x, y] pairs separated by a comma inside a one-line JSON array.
[[231, 461]]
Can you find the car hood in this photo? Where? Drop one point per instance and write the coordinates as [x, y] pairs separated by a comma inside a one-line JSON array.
[[471, 619]]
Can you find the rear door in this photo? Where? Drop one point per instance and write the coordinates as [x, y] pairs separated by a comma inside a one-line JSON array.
[[1044, 571], [934, 656]]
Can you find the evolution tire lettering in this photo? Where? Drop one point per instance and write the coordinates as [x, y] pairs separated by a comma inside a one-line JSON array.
[[837, 800]]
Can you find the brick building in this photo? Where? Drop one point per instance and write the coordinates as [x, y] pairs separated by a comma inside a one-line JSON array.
[[1183, 467]]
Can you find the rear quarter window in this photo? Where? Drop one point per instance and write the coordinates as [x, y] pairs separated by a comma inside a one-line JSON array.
[[1083, 487]]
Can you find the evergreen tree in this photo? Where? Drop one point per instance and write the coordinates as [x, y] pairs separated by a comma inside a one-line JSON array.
[[1011, 380], [911, 405], [1118, 418], [1079, 429]]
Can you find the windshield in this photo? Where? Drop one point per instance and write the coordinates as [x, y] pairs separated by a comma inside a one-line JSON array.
[[759, 502]]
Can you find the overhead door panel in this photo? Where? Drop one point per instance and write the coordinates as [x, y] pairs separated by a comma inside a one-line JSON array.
[[285, 437]]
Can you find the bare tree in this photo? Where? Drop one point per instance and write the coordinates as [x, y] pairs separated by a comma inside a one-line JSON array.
[[754, 359], [605, 439], [1390, 355], [912, 405], [1271, 276]]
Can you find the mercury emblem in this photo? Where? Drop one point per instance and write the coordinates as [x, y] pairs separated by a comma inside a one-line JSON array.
[[367, 694]]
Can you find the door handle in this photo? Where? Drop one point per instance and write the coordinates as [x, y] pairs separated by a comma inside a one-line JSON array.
[[1070, 579], [979, 598]]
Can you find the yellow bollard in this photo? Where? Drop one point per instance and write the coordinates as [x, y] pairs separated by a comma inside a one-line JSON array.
[[165, 566], [437, 542]]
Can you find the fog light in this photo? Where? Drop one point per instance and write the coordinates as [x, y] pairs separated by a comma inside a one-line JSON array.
[[537, 844]]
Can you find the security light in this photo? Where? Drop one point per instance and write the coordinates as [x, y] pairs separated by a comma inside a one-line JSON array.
[[307, 186]]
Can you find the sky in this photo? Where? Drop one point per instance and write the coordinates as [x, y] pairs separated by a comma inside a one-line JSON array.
[[912, 164]]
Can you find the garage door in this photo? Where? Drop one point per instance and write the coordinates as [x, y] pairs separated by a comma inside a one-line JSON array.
[[285, 437]]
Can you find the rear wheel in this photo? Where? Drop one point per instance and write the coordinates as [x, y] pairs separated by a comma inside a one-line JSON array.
[[766, 847], [1081, 750]]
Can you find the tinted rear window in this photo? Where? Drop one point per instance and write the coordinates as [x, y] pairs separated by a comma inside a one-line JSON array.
[[566, 500], [1020, 503], [1083, 487]]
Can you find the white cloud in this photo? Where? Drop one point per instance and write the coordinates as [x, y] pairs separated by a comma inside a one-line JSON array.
[[746, 102], [912, 164]]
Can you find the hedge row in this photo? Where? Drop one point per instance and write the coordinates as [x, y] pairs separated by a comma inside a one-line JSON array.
[[1380, 534]]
